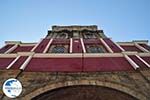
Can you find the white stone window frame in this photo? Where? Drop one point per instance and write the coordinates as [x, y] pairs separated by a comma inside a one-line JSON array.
[[97, 46], [50, 50]]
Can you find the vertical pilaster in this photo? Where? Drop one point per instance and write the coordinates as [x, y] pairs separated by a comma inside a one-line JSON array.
[[105, 44], [82, 43]]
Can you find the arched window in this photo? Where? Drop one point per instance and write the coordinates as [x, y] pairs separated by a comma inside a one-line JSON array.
[[62, 35], [89, 35], [95, 49], [58, 49]]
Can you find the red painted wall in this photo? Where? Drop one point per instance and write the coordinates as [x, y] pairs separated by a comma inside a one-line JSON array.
[[42, 46], [19, 62], [91, 41], [54, 64], [5, 48], [77, 47], [138, 62], [147, 59], [4, 62], [112, 45], [130, 48], [61, 41], [107, 64], [145, 46], [103, 64], [22, 49]]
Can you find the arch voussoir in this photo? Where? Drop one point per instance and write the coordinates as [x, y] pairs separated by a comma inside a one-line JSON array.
[[52, 86]]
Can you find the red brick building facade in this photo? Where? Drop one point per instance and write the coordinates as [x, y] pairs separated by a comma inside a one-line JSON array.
[[78, 62]]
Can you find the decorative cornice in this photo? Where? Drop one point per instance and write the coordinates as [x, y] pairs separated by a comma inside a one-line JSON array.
[[74, 27], [12, 42]]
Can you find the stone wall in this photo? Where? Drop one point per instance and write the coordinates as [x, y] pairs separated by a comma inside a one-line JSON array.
[[35, 83]]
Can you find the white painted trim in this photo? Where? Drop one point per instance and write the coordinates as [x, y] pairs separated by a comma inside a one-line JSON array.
[[118, 46], [141, 48], [135, 66], [71, 45], [48, 45], [58, 55], [10, 65], [103, 55], [8, 55], [67, 55], [12, 48], [26, 62], [105, 44], [36, 45], [144, 54], [82, 43], [129, 52], [143, 61], [25, 53]]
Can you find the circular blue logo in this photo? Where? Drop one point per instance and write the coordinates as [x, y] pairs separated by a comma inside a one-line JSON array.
[[12, 88]]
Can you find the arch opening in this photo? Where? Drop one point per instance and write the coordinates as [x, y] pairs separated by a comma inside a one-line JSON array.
[[84, 92], [52, 86]]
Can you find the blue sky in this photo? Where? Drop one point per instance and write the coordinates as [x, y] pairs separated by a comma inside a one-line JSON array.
[[29, 20]]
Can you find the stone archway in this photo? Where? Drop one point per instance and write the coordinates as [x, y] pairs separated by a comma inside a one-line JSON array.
[[111, 85], [84, 92]]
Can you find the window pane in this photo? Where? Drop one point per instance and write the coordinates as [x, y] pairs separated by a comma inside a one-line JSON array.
[[95, 49], [62, 35], [58, 49], [89, 35]]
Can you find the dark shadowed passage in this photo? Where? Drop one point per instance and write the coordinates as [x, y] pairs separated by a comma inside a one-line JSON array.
[[84, 92]]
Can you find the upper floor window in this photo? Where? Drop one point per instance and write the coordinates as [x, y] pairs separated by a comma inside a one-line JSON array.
[[89, 35], [58, 49], [95, 49], [62, 35]]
